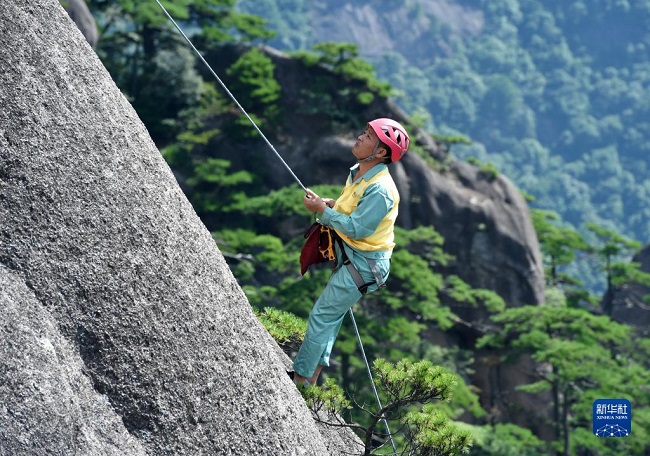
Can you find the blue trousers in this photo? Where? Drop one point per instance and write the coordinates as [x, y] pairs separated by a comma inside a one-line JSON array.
[[326, 317]]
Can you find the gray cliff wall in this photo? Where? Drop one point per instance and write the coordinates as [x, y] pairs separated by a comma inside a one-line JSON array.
[[122, 329], [628, 303], [82, 17], [486, 225], [48, 405]]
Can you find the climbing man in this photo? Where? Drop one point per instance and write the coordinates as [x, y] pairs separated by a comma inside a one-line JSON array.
[[363, 217]]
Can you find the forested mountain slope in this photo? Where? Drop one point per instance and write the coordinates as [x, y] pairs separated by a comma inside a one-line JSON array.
[[554, 93]]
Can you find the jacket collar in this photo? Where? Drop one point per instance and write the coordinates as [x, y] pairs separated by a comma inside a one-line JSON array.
[[369, 174]]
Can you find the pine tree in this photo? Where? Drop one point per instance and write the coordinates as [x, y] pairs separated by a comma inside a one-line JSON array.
[[581, 357]]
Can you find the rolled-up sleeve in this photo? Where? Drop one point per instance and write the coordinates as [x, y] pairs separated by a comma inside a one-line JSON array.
[[363, 221]]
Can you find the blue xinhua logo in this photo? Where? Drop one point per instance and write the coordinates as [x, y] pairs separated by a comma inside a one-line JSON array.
[[612, 418]]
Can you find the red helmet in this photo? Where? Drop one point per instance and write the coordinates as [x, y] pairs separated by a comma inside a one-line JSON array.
[[393, 135]]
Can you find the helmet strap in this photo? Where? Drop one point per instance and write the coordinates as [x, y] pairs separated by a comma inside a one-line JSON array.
[[373, 155]]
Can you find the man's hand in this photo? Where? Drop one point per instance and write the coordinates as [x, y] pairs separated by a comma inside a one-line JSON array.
[[313, 202]]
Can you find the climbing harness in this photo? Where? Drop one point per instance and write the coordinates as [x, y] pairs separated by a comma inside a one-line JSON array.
[[326, 253], [319, 247], [232, 96], [362, 286]]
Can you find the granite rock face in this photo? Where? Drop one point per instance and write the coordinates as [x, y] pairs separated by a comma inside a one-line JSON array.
[[485, 222], [49, 406], [122, 329]]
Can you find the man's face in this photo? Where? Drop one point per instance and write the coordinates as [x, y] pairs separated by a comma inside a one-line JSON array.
[[365, 144]]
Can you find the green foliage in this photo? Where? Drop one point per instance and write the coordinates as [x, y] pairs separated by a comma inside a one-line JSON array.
[[212, 171], [212, 184], [415, 262], [287, 329], [408, 390], [447, 141], [612, 244], [254, 86], [327, 398], [461, 291], [428, 429], [419, 288], [277, 204], [344, 102], [559, 245], [267, 251], [197, 130], [343, 59], [406, 382], [250, 27], [365, 98], [486, 169], [156, 104], [490, 172], [622, 273], [156, 70], [588, 357], [426, 241], [505, 440], [432, 433], [614, 251]]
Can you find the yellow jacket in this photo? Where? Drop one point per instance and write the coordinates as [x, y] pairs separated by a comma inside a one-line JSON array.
[[365, 238]]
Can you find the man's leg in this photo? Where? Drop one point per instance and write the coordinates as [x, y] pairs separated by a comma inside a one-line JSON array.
[[323, 325]]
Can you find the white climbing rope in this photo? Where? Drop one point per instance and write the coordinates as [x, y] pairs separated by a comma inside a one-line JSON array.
[[232, 96], [372, 381]]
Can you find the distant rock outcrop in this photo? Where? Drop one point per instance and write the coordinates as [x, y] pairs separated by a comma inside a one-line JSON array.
[[485, 222], [629, 304], [80, 14], [122, 329], [372, 27]]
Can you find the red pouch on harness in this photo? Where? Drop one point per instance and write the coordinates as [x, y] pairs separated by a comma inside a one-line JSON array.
[[318, 247]]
